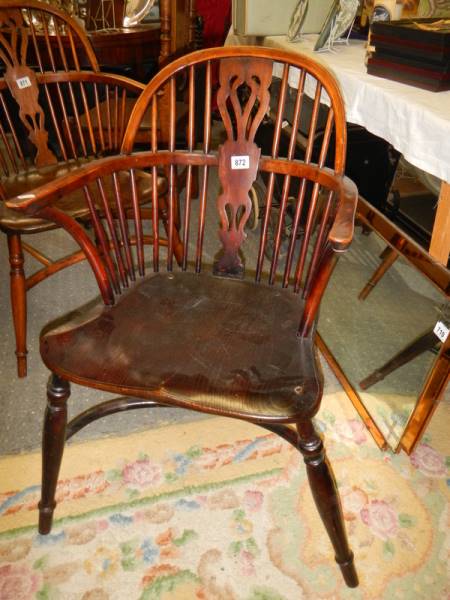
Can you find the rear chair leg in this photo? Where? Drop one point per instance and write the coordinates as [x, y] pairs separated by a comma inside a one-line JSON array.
[[58, 392], [326, 497], [18, 301]]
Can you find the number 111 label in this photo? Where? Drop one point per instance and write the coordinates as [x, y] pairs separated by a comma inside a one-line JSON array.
[[240, 162]]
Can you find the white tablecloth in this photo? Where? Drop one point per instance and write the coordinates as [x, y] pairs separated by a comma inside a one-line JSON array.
[[416, 122]]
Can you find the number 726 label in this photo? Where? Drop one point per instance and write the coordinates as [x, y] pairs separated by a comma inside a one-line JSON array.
[[240, 162]]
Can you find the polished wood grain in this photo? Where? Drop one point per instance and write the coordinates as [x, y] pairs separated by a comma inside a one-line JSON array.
[[229, 331], [238, 148], [440, 240]]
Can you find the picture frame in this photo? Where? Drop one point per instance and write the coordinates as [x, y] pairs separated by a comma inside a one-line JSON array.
[[324, 35]]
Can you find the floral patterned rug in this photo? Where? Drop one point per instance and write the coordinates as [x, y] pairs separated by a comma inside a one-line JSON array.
[[221, 510]]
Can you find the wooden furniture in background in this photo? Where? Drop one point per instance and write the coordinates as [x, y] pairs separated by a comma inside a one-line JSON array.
[[42, 136], [132, 50], [234, 336], [133, 46]]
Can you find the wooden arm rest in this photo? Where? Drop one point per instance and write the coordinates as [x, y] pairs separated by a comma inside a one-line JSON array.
[[90, 76], [341, 233], [45, 195]]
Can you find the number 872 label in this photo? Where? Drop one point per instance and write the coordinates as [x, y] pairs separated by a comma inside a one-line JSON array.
[[240, 162]]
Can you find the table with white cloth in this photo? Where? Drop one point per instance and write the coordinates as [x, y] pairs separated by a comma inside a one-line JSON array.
[[416, 122]]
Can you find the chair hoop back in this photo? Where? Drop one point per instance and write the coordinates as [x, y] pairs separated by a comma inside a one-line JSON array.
[[307, 207]]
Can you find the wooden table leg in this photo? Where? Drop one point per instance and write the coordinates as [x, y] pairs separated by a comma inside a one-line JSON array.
[[440, 237], [434, 387]]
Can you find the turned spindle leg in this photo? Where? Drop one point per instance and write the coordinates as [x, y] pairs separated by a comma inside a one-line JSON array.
[[325, 494], [58, 391]]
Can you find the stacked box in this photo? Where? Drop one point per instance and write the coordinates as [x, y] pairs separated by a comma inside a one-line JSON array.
[[415, 52]]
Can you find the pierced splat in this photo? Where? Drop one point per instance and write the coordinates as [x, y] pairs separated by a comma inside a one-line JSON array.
[[239, 155], [22, 83]]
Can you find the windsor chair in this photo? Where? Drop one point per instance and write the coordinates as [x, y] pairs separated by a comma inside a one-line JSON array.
[[53, 118], [228, 332]]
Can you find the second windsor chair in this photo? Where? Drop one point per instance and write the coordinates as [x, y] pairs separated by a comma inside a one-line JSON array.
[[54, 117]]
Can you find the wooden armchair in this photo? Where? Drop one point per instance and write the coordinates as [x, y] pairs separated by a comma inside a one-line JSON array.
[[53, 118], [228, 332]]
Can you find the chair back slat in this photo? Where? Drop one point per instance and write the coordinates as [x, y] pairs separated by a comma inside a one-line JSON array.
[[5, 143], [207, 113], [172, 114], [125, 243], [107, 108], [93, 117], [280, 111], [98, 115], [171, 215], [122, 120], [10, 141], [61, 51], [191, 109], [113, 233], [299, 102], [34, 38], [201, 221], [79, 106], [155, 219], [319, 246], [187, 216], [101, 235], [73, 48], [204, 172], [154, 127], [307, 231], [189, 174], [115, 122], [139, 232], [326, 138], [48, 45], [313, 123]]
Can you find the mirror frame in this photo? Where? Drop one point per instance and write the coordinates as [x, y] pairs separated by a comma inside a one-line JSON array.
[[439, 374]]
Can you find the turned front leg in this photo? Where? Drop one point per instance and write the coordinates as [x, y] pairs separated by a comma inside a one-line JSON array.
[[325, 494], [58, 392]]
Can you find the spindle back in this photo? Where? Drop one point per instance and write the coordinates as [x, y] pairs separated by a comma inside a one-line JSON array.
[[42, 37], [319, 201], [50, 110]]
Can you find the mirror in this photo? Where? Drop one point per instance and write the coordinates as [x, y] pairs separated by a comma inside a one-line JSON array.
[[398, 314], [136, 11]]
